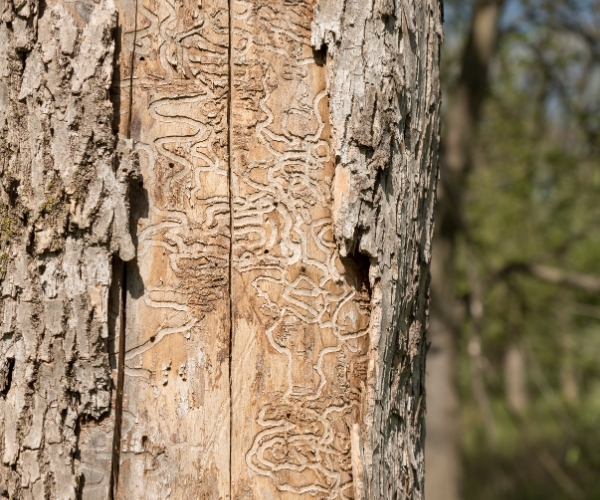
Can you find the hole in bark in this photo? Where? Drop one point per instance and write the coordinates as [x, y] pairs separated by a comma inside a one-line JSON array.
[[30, 243], [115, 90], [12, 191], [117, 320], [407, 132], [41, 8], [390, 22], [6, 373], [320, 56], [367, 151], [357, 266], [81, 487]]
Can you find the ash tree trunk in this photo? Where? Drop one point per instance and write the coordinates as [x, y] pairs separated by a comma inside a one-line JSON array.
[[216, 234]]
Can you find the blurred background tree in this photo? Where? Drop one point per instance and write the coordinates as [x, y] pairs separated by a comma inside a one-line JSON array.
[[513, 370]]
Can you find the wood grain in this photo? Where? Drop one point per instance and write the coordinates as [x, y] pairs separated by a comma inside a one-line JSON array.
[[265, 357], [300, 314], [268, 341], [175, 423]]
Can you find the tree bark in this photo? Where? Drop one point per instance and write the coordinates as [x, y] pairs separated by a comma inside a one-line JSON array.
[[384, 102], [64, 211], [261, 332]]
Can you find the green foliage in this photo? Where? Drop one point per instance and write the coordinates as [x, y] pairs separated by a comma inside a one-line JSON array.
[[534, 197]]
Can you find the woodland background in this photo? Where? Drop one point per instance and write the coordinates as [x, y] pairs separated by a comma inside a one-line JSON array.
[[525, 260]]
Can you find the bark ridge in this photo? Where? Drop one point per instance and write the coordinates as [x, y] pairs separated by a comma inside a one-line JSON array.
[[65, 214]]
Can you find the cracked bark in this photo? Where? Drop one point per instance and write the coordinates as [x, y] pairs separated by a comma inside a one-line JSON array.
[[274, 335], [64, 208], [384, 101]]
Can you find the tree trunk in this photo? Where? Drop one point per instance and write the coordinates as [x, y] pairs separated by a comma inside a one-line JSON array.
[[268, 338]]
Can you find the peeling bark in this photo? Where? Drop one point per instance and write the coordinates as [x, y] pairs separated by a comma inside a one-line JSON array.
[[384, 101]]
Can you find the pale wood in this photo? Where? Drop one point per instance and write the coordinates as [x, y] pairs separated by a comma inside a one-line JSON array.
[[175, 422], [384, 106], [300, 315]]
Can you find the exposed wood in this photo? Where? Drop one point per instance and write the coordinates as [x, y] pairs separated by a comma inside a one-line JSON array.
[[384, 105], [300, 315], [173, 89]]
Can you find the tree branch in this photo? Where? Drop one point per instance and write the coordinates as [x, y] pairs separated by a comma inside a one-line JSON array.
[[580, 281], [586, 282]]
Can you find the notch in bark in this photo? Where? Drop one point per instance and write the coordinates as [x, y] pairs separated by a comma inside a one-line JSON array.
[[117, 322], [6, 375], [320, 55]]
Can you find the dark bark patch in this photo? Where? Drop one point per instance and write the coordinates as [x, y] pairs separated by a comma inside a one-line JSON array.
[[6, 374]]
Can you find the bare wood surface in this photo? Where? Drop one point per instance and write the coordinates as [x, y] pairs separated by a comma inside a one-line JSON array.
[[300, 315], [384, 96], [175, 421]]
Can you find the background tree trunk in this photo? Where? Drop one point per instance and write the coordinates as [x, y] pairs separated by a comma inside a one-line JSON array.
[[447, 311], [269, 339]]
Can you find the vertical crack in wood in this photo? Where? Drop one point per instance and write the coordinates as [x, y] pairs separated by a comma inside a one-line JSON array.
[[230, 277], [132, 72], [116, 448], [120, 380]]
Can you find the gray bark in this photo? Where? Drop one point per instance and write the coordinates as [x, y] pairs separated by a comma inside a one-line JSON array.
[[64, 213], [384, 102]]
